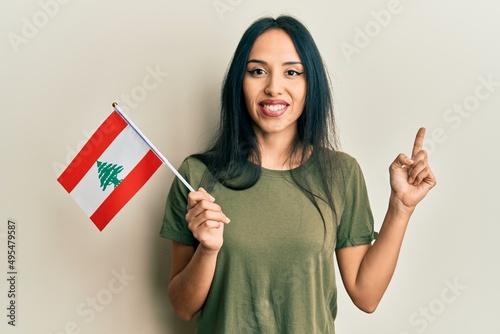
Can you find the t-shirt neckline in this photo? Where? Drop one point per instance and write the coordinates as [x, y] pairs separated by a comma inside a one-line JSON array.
[[281, 172]]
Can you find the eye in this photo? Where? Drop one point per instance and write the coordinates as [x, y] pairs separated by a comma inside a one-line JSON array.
[[257, 71], [293, 73]]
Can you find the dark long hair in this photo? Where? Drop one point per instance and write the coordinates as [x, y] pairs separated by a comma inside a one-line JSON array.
[[235, 141]]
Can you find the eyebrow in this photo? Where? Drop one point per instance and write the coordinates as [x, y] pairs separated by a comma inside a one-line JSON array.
[[258, 61]]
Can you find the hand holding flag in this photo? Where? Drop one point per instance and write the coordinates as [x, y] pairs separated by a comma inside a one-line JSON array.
[[106, 174]]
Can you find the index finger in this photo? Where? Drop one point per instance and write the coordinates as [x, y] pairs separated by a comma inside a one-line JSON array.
[[419, 142]]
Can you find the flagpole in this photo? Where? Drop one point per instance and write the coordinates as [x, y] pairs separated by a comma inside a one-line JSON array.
[[150, 144]]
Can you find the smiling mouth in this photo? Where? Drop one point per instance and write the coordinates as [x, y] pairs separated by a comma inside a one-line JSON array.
[[273, 109]]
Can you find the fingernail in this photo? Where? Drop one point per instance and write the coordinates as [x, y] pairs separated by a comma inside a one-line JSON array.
[[212, 198], [410, 180]]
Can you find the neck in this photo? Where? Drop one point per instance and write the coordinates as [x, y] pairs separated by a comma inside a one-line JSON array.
[[276, 153]]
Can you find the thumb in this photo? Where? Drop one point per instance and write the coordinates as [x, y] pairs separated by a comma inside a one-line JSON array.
[[401, 161], [209, 197]]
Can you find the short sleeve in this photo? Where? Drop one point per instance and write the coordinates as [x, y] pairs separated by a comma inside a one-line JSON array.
[[356, 223], [175, 226]]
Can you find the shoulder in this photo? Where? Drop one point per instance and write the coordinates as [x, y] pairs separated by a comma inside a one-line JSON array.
[[193, 170], [339, 158], [344, 167], [192, 163]]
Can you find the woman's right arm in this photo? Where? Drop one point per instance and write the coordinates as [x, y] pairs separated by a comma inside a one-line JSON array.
[[193, 268]]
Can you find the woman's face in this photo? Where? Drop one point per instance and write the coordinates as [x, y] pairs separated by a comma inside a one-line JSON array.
[[274, 85]]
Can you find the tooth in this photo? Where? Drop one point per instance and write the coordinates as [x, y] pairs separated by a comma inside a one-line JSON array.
[[276, 107]]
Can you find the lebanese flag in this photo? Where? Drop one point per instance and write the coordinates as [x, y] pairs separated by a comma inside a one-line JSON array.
[[107, 172]]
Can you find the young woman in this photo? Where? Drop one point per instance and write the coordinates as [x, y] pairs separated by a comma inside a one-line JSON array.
[[252, 249]]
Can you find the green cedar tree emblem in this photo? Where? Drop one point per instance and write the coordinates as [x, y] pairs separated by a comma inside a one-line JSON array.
[[108, 174]]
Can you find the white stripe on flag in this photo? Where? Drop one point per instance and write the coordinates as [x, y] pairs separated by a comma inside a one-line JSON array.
[[126, 150]]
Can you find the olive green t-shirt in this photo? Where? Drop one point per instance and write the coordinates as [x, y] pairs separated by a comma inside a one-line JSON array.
[[275, 270]]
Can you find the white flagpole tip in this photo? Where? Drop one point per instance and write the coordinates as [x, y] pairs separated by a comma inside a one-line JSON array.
[[114, 104]]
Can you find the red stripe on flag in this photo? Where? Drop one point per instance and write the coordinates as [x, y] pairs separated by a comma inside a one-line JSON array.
[[92, 150], [126, 190]]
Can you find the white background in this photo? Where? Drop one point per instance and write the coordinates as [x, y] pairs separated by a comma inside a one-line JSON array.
[[57, 83]]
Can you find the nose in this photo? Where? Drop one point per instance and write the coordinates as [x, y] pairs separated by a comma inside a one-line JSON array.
[[274, 85]]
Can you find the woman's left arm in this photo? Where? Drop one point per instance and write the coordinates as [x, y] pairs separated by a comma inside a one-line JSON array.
[[366, 270]]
